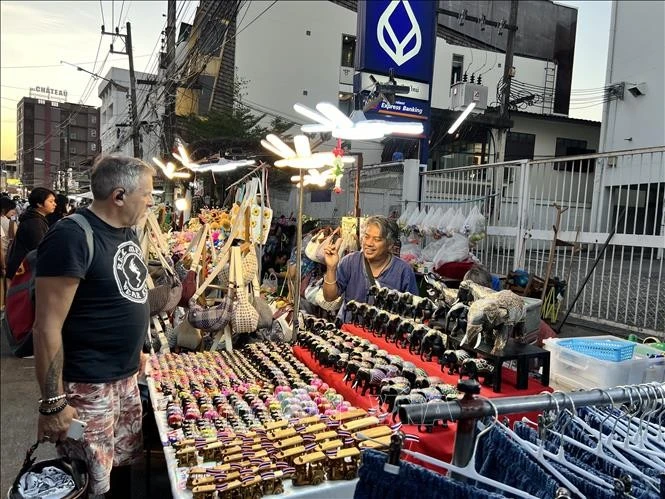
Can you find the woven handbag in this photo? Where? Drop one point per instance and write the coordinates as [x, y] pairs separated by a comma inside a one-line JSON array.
[[250, 268], [63, 477], [213, 318], [245, 318]]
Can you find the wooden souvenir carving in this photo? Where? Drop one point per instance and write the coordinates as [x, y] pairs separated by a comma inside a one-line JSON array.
[[376, 443], [349, 415], [204, 492], [187, 456], [277, 425], [326, 435], [281, 434], [330, 445], [288, 442], [376, 432], [360, 424], [309, 469], [344, 464], [315, 428]]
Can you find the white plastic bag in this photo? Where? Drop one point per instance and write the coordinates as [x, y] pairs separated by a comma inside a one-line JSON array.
[[410, 253], [454, 249], [406, 214], [445, 219], [431, 249], [413, 219], [474, 223], [456, 222]]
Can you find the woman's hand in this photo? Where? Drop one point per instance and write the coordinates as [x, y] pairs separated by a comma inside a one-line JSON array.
[[331, 252]]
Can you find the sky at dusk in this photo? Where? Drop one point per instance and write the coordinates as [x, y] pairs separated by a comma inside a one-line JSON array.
[[37, 36]]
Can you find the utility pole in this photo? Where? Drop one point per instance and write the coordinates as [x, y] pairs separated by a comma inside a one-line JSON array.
[[169, 109], [170, 90], [136, 126], [507, 78]]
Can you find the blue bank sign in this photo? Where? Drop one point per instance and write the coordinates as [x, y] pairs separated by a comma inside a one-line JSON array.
[[398, 35]]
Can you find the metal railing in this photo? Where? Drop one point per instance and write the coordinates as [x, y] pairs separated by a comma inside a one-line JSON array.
[[596, 194]]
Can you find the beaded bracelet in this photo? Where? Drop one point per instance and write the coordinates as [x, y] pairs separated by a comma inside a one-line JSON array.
[[52, 410], [329, 282], [52, 400]]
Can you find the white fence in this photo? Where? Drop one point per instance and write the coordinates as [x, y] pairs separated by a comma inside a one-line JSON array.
[[600, 192]]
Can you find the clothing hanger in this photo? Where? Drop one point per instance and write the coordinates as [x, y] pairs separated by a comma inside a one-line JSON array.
[[614, 456], [468, 471], [643, 437], [621, 447], [560, 456], [537, 455], [626, 444], [600, 451]]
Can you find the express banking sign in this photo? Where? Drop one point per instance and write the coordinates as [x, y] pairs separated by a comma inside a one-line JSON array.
[[397, 34]]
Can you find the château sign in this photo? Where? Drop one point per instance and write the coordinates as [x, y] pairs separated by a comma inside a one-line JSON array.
[[48, 93]]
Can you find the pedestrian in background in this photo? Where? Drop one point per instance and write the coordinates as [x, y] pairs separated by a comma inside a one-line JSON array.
[[32, 227], [90, 326], [61, 209], [7, 231]]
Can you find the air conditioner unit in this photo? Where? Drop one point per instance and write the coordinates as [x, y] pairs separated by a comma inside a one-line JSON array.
[[464, 93]]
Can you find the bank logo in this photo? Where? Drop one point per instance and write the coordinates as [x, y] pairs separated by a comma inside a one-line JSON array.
[[130, 272], [396, 48]]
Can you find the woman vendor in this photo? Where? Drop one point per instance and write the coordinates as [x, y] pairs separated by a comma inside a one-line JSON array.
[[373, 264]]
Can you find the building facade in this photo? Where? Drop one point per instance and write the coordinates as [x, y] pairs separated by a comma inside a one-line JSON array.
[[116, 117], [54, 140]]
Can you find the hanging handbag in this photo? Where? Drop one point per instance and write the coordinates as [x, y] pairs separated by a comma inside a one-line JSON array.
[[261, 306], [190, 283], [63, 477], [250, 268], [213, 318], [312, 247], [167, 292], [245, 318], [260, 217]]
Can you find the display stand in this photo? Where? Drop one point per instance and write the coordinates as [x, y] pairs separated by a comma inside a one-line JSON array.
[[178, 475], [522, 353]]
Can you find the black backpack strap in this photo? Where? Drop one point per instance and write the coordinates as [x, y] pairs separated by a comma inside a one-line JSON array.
[[89, 235]]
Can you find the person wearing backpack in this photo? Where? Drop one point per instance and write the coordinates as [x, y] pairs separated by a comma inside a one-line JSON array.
[[32, 227], [90, 325]]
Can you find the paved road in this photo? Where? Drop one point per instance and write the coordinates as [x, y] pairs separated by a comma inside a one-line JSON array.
[[625, 289]]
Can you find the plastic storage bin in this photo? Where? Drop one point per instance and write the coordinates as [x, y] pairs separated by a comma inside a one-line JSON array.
[[571, 370], [533, 306]]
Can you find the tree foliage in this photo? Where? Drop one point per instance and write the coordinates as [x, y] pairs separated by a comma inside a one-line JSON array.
[[238, 123]]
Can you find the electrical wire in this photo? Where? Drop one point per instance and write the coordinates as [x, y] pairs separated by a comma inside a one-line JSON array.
[[122, 7], [60, 65], [101, 7]]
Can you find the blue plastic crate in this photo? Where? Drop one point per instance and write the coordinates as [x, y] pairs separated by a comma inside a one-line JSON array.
[[612, 350]]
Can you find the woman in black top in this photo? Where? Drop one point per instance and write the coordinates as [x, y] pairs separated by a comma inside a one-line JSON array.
[[32, 227]]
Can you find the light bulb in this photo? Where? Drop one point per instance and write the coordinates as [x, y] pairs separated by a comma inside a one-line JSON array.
[[181, 204]]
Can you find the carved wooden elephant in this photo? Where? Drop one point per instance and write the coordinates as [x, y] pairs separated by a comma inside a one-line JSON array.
[[455, 318], [432, 345], [474, 368], [452, 359], [469, 291], [495, 317], [416, 338]]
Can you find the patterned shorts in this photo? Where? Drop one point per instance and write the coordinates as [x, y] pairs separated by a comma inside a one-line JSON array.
[[113, 435]]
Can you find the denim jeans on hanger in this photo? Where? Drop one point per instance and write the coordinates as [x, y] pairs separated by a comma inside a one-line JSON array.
[[504, 460], [588, 488], [412, 482]]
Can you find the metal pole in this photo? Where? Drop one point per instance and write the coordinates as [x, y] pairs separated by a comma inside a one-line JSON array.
[[593, 267], [136, 126], [296, 291], [507, 78], [453, 411]]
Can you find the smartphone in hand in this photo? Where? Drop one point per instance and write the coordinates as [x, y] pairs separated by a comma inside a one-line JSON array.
[[75, 431]]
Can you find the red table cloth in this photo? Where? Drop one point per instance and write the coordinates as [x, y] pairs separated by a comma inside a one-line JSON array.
[[438, 444]]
